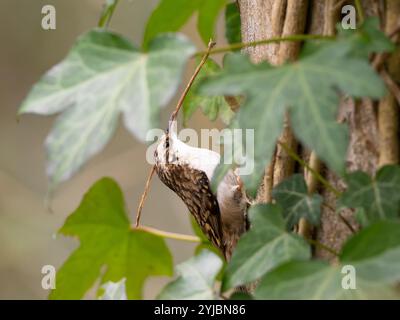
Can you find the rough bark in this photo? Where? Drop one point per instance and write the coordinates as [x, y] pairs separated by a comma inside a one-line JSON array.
[[388, 111], [262, 19], [372, 144], [373, 126], [257, 24]]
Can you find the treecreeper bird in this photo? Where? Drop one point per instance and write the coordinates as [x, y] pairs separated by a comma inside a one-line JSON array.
[[188, 172]]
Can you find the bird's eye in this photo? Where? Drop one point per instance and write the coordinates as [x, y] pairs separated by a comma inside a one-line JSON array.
[[166, 143]]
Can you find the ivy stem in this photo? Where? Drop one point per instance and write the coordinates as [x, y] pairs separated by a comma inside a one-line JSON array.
[[106, 14], [317, 175], [360, 11], [341, 217], [322, 246], [241, 45], [168, 235], [325, 182]]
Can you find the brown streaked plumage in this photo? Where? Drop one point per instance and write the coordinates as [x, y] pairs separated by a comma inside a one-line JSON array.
[[188, 171], [193, 187]]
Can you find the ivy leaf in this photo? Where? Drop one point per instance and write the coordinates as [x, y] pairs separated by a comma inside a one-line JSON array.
[[232, 23], [232, 153], [266, 246], [379, 197], [208, 11], [206, 245], [366, 39], [359, 215], [307, 88], [107, 240], [241, 296], [211, 106], [292, 195], [196, 278], [171, 15], [102, 76], [373, 254], [360, 43], [220, 172]]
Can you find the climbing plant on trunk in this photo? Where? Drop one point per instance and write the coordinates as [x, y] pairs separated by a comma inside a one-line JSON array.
[[323, 102]]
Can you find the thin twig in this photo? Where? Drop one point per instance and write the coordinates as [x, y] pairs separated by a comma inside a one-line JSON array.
[[342, 218], [174, 114], [304, 227], [322, 246], [360, 10], [305, 165], [394, 32], [381, 57], [241, 45], [338, 4], [144, 195], [169, 235], [347, 223], [391, 84]]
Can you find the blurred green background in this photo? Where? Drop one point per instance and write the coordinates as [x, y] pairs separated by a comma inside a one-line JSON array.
[[27, 227]]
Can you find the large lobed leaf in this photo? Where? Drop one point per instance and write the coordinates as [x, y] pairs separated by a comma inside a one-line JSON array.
[[102, 76], [265, 246], [292, 195], [379, 197], [171, 15], [196, 278], [375, 255], [307, 89], [107, 240]]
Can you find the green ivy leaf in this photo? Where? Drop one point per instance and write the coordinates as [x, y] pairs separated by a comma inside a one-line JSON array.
[[211, 106], [232, 23], [264, 247], [308, 89], [361, 42], [208, 11], [102, 76], [196, 278], [379, 197], [292, 195], [366, 39], [374, 254], [220, 172], [171, 15], [229, 158], [107, 240], [206, 245], [359, 215], [241, 296]]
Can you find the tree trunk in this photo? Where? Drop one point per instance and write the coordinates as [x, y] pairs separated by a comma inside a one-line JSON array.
[[373, 126]]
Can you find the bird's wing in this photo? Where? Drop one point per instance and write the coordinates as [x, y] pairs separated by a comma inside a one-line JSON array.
[[193, 187]]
